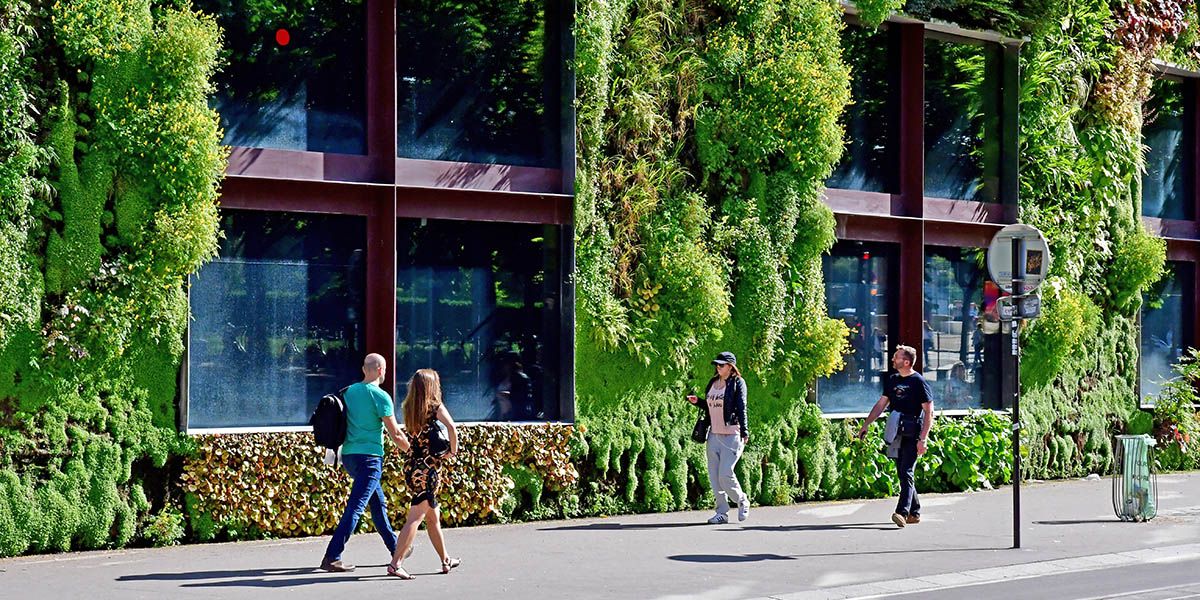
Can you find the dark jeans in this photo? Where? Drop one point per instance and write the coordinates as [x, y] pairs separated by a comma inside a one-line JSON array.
[[366, 471], [905, 463]]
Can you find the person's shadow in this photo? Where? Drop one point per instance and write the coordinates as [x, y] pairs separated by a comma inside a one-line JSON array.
[[258, 577]]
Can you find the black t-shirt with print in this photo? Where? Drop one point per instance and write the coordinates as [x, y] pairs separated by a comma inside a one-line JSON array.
[[907, 394]]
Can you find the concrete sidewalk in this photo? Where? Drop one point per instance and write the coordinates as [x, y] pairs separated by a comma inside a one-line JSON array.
[[816, 550]]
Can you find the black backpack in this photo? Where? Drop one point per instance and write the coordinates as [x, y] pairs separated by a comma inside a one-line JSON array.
[[329, 420]]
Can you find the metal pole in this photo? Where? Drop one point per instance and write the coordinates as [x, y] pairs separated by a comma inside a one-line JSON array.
[[1018, 289]]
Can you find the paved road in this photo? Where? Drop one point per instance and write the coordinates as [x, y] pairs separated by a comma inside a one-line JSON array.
[[1073, 548]]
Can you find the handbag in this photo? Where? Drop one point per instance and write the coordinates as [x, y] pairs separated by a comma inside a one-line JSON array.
[[439, 438], [910, 426], [700, 430]]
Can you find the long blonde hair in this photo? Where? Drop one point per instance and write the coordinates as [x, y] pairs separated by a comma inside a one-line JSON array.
[[424, 396]]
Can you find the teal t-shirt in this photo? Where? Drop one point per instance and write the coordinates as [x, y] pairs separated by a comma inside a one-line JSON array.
[[366, 406]]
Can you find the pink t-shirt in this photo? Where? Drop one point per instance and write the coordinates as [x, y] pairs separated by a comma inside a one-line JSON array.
[[716, 410]]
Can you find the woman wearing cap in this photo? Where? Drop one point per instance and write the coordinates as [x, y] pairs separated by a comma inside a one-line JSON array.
[[725, 405]]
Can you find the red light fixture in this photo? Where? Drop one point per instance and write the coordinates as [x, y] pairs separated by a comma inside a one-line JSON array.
[[282, 37], [866, 256]]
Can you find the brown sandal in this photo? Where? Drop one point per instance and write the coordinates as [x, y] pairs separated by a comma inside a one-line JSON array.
[[398, 572], [449, 564]]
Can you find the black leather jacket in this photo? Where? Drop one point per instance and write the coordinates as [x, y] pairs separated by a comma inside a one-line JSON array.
[[735, 402]]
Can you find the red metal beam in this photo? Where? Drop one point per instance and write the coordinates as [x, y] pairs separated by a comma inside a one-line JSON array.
[[860, 202], [474, 176], [303, 196], [966, 210], [381, 88], [466, 205], [912, 118], [298, 164]]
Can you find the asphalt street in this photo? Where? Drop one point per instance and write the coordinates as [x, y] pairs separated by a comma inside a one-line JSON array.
[[1073, 547]]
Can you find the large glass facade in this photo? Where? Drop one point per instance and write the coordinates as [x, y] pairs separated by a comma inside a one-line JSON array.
[[277, 318], [479, 302], [868, 160], [962, 120], [479, 81], [295, 74], [859, 289], [960, 346], [1165, 131], [1167, 313]]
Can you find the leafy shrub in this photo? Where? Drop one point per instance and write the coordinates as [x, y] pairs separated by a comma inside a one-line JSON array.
[[164, 528]]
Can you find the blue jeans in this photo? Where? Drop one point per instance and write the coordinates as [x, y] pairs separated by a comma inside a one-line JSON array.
[[908, 503], [366, 471]]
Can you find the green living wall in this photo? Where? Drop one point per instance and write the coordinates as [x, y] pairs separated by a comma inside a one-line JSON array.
[[109, 162], [706, 130]]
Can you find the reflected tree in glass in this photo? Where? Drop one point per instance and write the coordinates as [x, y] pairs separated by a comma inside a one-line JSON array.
[[962, 120], [958, 351], [1166, 327], [1166, 181], [479, 303], [278, 318], [478, 81], [294, 75], [868, 161]]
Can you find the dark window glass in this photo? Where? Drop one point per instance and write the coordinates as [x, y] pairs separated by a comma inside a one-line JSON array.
[[868, 160], [962, 120], [1166, 182], [277, 318], [1166, 327], [859, 289], [478, 302], [295, 74], [478, 81], [960, 345]]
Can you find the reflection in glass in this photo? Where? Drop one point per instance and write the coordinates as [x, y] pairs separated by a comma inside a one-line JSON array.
[[277, 318], [1166, 327], [869, 121], [1165, 183], [295, 74], [858, 280], [962, 120], [960, 345], [478, 302], [478, 81]]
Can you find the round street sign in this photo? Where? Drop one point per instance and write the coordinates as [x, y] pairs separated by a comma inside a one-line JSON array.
[[1035, 263]]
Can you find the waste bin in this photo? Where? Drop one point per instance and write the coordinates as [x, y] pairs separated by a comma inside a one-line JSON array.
[[1135, 486]]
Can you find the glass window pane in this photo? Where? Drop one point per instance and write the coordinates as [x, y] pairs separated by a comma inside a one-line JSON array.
[[295, 74], [478, 81], [277, 318], [962, 120], [868, 161], [858, 290], [1165, 183], [478, 302], [1166, 327], [960, 345]]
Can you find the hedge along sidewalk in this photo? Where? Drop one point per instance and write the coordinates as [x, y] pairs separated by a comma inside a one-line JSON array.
[[778, 550]]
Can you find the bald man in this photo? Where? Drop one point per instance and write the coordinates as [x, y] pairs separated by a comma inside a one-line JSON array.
[[369, 411]]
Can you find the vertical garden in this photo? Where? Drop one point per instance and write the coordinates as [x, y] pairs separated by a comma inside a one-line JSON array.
[[706, 131]]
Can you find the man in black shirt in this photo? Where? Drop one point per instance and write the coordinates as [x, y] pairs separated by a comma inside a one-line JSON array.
[[906, 392]]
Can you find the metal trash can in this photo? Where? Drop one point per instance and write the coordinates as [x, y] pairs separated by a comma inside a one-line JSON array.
[[1134, 484]]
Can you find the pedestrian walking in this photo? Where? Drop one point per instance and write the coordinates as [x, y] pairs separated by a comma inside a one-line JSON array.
[[368, 411], [725, 409], [423, 411], [908, 395]]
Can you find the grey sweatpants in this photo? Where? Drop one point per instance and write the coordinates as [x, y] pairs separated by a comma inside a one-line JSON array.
[[724, 450]]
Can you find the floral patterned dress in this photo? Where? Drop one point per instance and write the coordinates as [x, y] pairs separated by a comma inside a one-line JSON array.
[[421, 470]]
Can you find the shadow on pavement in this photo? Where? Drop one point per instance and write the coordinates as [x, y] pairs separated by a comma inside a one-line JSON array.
[[1078, 522], [821, 527], [623, 526], [258, 577], [728, 558]]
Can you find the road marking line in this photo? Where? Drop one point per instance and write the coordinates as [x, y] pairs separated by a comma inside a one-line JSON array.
[[1016, 572]]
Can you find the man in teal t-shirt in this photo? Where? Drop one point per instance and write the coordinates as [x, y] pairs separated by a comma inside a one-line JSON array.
[[368, 411]]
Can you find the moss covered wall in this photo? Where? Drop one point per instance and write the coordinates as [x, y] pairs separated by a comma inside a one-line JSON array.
[[109, 161]]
